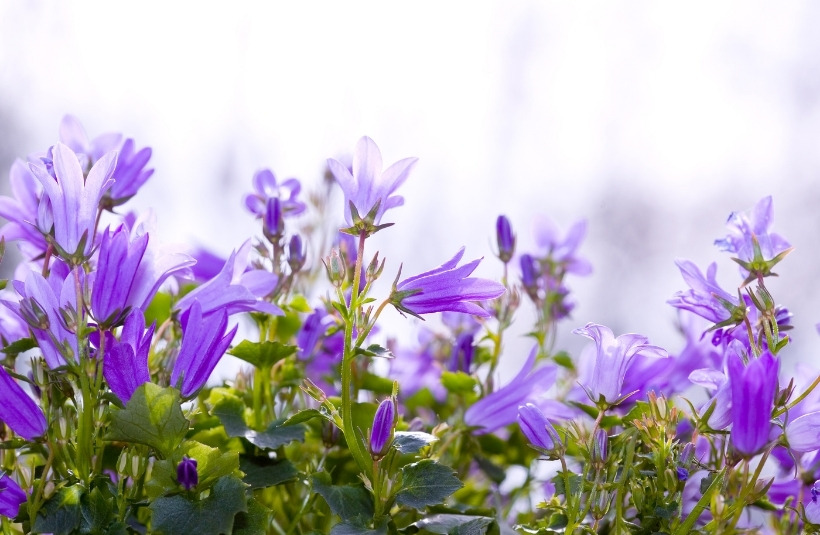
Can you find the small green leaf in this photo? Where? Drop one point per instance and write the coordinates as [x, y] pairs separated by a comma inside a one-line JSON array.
[[180, 515], [230, 412], [262, 472], [303, 416], [574, 484], [61, 513], [458, 382], [358, 527], [20, 346], [426, 483], [153, 417], [445, 524], [346, 501], [262, 354], [96, 512], [412, 441], [373, 350]]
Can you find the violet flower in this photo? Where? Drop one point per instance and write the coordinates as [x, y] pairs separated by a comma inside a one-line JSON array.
[[563, 252], [803, 433], [446, 287], [235, 288], [756, 222], [612, 358], [384, 421], [21, 210], [505, 238], [500, 408], [705, 297], [537, 428], [267, 188], [203, 343], [813, 504], [70, 203], [125, 364], [186, 473], [18, 410], [753, 390], [11, 497], [368, 186], [117, 266]]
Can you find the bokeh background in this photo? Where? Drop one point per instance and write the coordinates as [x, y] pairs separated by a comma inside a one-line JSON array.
[[651, 120]]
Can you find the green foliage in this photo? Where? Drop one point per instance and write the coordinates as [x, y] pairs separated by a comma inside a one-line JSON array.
[[426, 483], [183, 514], [262, 354]]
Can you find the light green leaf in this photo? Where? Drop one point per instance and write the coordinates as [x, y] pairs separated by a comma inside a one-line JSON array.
[[153, 417]]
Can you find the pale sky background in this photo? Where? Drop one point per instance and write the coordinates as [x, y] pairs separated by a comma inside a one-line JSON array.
[[654, 121]]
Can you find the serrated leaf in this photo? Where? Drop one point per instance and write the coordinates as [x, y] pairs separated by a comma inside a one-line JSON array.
[[460, 524], [458, 382], [262, 472], [262, 354], [412, 441], [346, 501], [212, 464], [426, 483], [20, 346], [153, 417], [61, 513], [253, 522], [179, 515], [358, 528], [96, 512], [230, 412], [574, 484]]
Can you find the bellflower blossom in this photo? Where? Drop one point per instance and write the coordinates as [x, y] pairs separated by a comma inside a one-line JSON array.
[[322, 351], [71, 202], [537, 428], [705, 297], [204, 342], [117, 266], [21, 210], [562, 252], [369, 185], [235, 289], [612, 358], [444, 288], [753, 390], [11, 497], [500, 408], [384, 421], [266, 188], [757, 222], [18, 410], [125, 364]]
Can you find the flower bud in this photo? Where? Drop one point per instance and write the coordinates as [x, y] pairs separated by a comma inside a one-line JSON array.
[[505, 237], [529, 276], [599, 446], [537, 428], [186, 473], [381, 435], [273, 224], [335, 267], [296, 254]]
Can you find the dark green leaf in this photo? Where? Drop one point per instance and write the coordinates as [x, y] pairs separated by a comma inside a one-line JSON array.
[[96, 512], [262, 472], [459, 524], [20, 346], [262, 354], [412, 441], [373, 350], [458, 382], [61, 513], [303, 416], [180, 515], [358, 527], [254, 522], [230, 412], [574, 484], [153, 417], [346, 501], [426, 483]]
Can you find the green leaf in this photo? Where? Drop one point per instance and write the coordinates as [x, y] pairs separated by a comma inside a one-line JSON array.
[[458, 382], [20, 346], [262, 354], [230, 411], [376, 383], [445, 524], [373, 350], [574, 484], [61, 513], [303, 416], [263, 472], [153, 417], [212, 464], [96, 512], [181, 515], [359, 527], [412, 441], [346, 501], [254, 522], [426, 483], [159, 309]]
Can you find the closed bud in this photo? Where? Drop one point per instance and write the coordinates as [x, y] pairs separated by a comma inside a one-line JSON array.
[[381, 435], [599, 447], [186, 473], [529, 276], [296, 254], [122, 462], [374, 269], [505, 237], [537, 428], [273, 224], [335, 267]]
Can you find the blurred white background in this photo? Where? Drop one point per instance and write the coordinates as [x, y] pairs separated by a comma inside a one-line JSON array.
[[654, 121]]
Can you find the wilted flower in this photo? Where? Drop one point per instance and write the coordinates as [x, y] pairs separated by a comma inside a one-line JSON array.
[[125, 363], [753, 391], [612, 359], [11, 497], [446, 287], [382, 432], [203, 343], [368, 186], [18, 410], [186, 473]]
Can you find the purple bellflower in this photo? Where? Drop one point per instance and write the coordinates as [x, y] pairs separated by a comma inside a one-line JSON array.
[[70, 203], [417, 367], [208, 264], [445, 288], [125, 364], [203, 343], [321, 348], [813, 504], [186, 473], [803, 433], [235, 289], [117, 266], [381, 435], [18, 410], [757, 222], [266, 188], [563, 252], [11, 497], [500, 408], [369, 187], [612, 358], [537, 428], [753, 390], [21, 210], [705, 297]]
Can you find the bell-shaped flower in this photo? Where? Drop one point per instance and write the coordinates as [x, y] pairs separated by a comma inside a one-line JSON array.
[[117, 266], [705, 297], [500, 408], [203, 343], [18, 410], [71, 202], [537, 428], [235, 288], [266, 187], [369, 187], [125, 364], [753, 391], [21, 211], [612, 358], [755, 224], [562, 252], [448, 287], [803, 433], [12, 496]]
